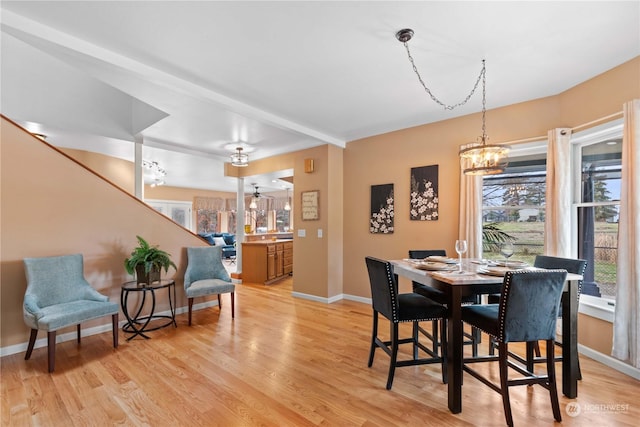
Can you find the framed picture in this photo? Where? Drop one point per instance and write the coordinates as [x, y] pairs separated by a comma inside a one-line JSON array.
[[382, 209], [310, 205], [424, 200]]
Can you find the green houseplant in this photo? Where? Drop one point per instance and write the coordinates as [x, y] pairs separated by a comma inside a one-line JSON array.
[[147, 261]]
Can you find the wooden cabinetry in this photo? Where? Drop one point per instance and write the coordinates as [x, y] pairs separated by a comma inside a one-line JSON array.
[[266, 261]]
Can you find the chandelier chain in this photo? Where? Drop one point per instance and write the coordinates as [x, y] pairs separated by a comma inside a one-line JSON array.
[[433, 97], [484, 102]]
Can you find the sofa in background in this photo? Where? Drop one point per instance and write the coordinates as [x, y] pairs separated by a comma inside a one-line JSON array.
[[226, 240]]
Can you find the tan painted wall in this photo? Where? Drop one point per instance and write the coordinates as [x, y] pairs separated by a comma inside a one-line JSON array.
[[388, 158], [595, 333], [121, 173], [52, 205]]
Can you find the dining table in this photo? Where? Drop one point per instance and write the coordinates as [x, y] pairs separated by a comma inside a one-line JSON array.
[[474, 281]]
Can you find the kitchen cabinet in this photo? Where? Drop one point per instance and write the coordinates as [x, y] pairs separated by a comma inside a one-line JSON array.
[[266, 261]]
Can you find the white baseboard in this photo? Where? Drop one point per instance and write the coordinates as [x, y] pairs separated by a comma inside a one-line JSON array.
[[609, 361], [72, 335]]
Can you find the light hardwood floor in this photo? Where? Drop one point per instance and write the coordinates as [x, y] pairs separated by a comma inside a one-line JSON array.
[[282, 361]]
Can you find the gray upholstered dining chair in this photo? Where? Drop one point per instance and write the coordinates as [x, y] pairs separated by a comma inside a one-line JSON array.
[[572, 265], [400, 308], [58, 296], [205, 275], [527, 311]]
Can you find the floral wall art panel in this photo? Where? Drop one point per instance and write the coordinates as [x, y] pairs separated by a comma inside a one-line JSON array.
[[424, 193], [381, 221]]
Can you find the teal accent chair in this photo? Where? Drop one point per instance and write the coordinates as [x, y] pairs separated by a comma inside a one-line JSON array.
[[205, 275], [401, 308], [58, 296], [527, 311]]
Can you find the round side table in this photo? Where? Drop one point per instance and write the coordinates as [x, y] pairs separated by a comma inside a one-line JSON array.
[[137, 322]]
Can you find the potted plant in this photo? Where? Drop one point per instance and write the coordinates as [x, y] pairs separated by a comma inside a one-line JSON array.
[[147, 261]]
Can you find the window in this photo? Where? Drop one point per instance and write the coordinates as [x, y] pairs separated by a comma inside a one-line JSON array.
[[597, 186], [514, 204], [179, 212]]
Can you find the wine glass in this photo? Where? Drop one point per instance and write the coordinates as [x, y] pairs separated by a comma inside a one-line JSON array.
[[461, 247], [506, 249]]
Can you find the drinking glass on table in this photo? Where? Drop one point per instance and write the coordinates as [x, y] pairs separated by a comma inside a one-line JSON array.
[[506, 249], [461, 247]]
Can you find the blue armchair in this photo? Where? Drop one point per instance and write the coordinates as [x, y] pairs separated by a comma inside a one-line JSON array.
[[58, 296], [205, 275]]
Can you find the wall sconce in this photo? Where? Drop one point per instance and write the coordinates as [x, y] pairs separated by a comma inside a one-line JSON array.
[[308, 165]]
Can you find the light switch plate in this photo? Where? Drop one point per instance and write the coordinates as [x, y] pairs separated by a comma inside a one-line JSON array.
[[302, 232]]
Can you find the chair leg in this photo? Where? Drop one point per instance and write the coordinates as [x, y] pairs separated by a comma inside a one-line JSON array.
[[190, 309], [114, 321], [434, 334], [219, 302], [492, 346], [233, 304], [374, 334], [536, 348], [78, 328], [394, 353], [504, 381], [531, 347], [475, 340], [414, 337], [551, 374], [51, 348], [32, 341]]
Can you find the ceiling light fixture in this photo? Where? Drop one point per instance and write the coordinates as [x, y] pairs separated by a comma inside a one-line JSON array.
[[287, 206], [239, 159], [479, 158], [253, 204], [154, 168]]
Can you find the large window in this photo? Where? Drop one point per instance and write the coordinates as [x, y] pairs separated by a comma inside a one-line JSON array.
[[598, 201], [514, 205]]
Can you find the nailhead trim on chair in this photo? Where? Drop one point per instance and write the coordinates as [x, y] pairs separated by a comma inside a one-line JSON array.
[[507, 287], [391, 282]]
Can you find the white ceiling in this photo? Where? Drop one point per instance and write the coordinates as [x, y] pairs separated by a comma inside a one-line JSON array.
[[194, 79]]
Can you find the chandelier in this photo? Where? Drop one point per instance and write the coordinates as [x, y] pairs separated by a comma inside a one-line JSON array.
[[156, 173], [478, 158], [239, 159]]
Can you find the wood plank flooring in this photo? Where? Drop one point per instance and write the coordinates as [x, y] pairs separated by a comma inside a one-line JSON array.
[[282, 361]]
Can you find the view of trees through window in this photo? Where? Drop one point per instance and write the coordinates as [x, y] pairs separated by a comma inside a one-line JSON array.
[[514, 204], [514, 210]]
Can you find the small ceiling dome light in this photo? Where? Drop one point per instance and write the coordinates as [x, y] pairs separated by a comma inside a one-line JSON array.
[[239, 159]]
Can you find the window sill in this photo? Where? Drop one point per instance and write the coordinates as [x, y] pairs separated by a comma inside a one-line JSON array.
[[600, 308]]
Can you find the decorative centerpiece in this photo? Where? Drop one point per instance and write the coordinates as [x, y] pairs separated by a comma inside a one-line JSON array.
[[147, 261]]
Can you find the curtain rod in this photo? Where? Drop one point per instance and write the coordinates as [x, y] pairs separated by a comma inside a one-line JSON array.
[[592, 123], [599, 121]]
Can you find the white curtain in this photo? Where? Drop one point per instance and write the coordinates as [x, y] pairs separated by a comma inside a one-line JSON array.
[[470, 218], [626, 326], [557, 225]]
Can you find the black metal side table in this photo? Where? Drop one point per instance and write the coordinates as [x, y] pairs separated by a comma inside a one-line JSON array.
[[138, 323]]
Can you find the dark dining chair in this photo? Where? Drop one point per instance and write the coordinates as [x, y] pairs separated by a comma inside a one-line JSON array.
[[527, 311], [440, 297], [400, 308], [576, 266]]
